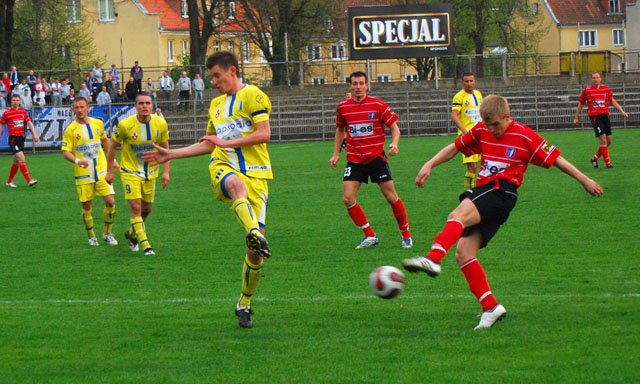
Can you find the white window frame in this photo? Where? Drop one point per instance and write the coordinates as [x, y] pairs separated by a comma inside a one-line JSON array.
[[618, 37], [319, 80], [170, 52], [262, 58], [592, 35], [314, 52], [184, 9], [535, 8], [614, 6], [232, 10], [74, 11], [245, 51], [383, 78], [109, 7], [216, 46], [411, 77], [185, 47], [337, 52], [230, 46]]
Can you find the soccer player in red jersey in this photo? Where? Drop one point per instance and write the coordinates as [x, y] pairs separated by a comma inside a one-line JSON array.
[[506, 148], [598, 97], [361, 119], [16, 118]]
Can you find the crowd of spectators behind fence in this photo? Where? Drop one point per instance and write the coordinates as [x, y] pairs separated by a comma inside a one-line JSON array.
[[99, 87]]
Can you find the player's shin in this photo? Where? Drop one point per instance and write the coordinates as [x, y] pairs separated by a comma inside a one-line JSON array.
[[138, 227], [400, 214], [108, 214], [245, 215], [250, 277], [360, 219], [478, 284], [87, 218], [12, 172], [445, 240]]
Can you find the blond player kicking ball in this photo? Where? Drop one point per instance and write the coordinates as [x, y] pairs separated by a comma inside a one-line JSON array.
[[84, 140], [507, 147]]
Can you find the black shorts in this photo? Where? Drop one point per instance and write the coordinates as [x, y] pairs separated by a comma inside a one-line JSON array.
[[378, 170], [601, 124], [494, 201], [16, 143]]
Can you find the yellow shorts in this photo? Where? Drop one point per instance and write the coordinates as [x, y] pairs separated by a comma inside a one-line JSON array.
[[88, 191], [136, 188], [470, 159], [257, 189]]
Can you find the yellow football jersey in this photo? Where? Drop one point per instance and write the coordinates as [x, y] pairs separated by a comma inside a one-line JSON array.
[[136, 138], [469, 107], [235, 116], [84, 142]]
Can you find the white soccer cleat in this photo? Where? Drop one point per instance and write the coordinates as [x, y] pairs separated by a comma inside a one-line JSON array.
[[490, 317], [368, 242], [10, 184], [93, 241], [33, 182], [407, 243], [110, 239], [421, 263]]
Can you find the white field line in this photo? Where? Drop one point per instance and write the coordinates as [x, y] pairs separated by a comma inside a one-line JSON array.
[[204, 300]]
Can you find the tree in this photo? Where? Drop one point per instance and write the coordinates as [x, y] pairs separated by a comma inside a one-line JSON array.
[[6, 33], [201, 28]]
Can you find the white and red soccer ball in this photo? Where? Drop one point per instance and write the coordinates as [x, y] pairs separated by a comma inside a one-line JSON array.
[[386, 282]]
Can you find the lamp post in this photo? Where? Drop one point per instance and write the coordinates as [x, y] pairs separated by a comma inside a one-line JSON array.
[[525, 46], [341, 57]]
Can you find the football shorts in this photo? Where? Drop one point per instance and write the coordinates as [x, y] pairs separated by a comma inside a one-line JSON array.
[[16, 143], [601, 124], [87, 191], [136, 188], [377, 170]]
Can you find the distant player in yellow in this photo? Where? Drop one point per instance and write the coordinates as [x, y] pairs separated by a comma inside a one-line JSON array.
[[465, 113], [237, 136], [84, 139], [137, 134]]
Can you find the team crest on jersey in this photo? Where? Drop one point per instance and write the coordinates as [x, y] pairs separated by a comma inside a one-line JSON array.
[[548, 148], [372, 115], [78, 136], [217, 112], [466, 102], [134, 136], [511, 152]]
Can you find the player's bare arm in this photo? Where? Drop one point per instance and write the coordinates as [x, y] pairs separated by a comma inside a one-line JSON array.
[[619, 108], [165, 167], [337, 144], [105, 147], [395, 139], [112, 165], [70, 157], [447, 153], [162, 154], [455, 117], [593, 188], [33, 132], [576, 120]]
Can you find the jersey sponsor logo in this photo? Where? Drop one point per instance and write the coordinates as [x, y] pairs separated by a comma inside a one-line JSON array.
[[18, 123], [599, 103], [510, 153], [233, 129], [357, 130], [492, 167], [473, 114], [89, 150], [139, 149]]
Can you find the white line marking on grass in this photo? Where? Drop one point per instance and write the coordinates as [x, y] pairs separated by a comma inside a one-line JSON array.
[[290, 299]]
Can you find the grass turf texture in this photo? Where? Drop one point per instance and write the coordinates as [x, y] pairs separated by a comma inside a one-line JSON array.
[[565, 266]]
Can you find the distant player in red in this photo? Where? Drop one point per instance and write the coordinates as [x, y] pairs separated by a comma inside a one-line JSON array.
[[598, 97], [361, 119], [507, 147], [16, 118]]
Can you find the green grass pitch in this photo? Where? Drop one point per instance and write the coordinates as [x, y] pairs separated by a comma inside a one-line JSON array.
[[566, 266]]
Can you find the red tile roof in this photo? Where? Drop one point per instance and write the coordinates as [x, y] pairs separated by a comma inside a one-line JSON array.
[[585, 11], [169, 11]]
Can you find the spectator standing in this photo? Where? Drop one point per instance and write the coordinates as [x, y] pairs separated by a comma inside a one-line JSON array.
[[56, 97], [70, 83], [47, 91], [31, 80], [25, 100], [14, 77], [3, 95], [150, 89], [131, 89], [97, 75], [114, 74], [138, 74], [184, 88], [120, 97], [112, 88], [165, 87], [23, 85], [103, 97], [84, 92], [38, 92], [7, 83], [65, 91], [198, 88]]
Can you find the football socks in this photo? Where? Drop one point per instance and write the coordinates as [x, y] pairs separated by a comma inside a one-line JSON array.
[[445, 240], [469, 180], [605, 154], [12, 172], [478, 284], [360, 219], [108, 214], [250, 278], [24, 170], [244, 213], [88, 222], [401, 217], [138, 227]]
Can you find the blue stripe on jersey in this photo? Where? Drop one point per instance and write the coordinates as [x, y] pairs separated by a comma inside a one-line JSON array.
[[146, 170], [240, 107], [90, 133], [95, 166], [475, 99], [148, 131], [222, 188], [241, 163], [233, 100]]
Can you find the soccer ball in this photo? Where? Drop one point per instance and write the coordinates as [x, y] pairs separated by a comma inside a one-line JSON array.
[[386, 282]]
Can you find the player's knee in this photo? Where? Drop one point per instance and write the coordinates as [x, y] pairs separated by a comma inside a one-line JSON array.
[[348, 201]]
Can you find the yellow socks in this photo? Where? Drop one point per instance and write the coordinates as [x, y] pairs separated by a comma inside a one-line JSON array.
[[250, 278], [88, 223], [245, 215], [138, 227], [108, 214]]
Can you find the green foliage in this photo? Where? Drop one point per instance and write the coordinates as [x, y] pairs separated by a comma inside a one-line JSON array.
[[565, 266]]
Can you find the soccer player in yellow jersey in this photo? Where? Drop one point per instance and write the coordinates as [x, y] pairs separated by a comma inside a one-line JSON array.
[[84, 139], [465, 113], [137, 134], [237, 136]]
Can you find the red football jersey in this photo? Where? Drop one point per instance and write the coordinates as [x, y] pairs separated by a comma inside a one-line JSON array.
[[597, 99], [507, 157], [365, 133], [16, 120]]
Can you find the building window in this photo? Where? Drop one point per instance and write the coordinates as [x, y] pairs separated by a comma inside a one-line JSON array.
[[383, 78], [216, 46], [107, 10], [170, 50], [232, 10], [245, 51], [587, 39], [230, 46], [346, 79], [337, 51], [411, 77], [314, 52], [535, 8], [614, 6], [618, 37], [184, 9], [319, 80], [74, 11], [263, 59], [185, 47]]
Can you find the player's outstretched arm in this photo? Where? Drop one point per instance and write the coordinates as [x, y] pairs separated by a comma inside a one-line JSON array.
[[447, 153], [589, 185], [619, 108], [161, 154], [337, 144]]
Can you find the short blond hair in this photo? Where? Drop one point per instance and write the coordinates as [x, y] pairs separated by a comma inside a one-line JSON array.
[[494, 107]]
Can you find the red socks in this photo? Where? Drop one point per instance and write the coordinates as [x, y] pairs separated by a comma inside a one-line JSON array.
[[360, 219], [401, 217], [445, 240], [603, 151], [478, 284], [12, 172], [25, 171]]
